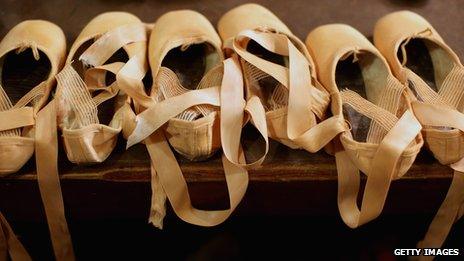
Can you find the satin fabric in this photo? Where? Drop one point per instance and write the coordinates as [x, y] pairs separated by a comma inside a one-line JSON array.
[[440, 117], [382, 162], [42, 138]]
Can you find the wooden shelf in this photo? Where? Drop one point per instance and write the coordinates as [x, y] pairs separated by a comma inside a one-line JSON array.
[[290, 182]]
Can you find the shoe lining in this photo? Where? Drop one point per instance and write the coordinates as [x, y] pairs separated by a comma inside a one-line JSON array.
[[428, 60], [191, 63], [20, 72], [370, 96], [349, 76]]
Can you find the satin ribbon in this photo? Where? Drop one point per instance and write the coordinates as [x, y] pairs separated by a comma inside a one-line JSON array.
[[452, 208], [380, 174]]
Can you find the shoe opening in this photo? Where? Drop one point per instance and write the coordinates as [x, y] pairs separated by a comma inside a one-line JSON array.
[[20, 71], [191, 63], [426, 59], [366, 75]]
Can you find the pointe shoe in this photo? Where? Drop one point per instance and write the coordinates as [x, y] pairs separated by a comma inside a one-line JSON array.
[[31, 54], [384, 137], [182, 111], [184, 58], [280, 79], [30, 59], [420, 58], [106, 61], [108, 56]]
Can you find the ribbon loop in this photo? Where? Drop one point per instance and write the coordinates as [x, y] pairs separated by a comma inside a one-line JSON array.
[[305, 102], [380, 174]]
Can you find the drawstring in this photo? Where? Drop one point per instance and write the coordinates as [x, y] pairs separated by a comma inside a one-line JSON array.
[[266, 29], [191, 41], [185, 46], [35, 51], [355, 53], [427, 31], [33, 46]]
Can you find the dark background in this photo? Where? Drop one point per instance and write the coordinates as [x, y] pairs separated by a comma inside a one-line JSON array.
[[262, 236], [301, 16]]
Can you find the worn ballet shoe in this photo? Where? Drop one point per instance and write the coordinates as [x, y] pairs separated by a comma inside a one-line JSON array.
[[284, 99], [182, 110], [182, 61], [30, 56], [107, 57], [30, 59], [384, 137], [91, 104], [421, 59]]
